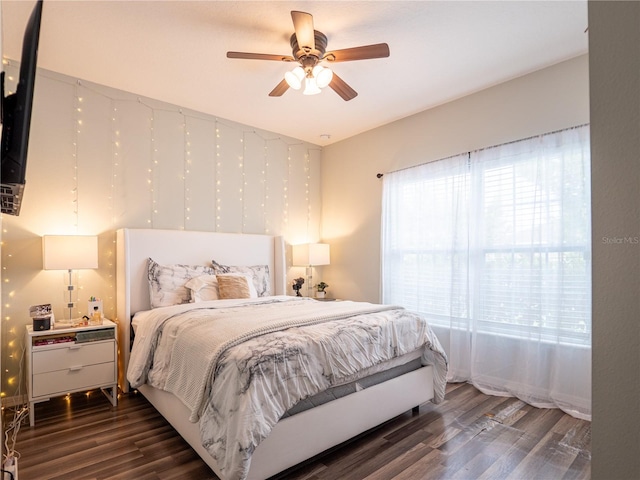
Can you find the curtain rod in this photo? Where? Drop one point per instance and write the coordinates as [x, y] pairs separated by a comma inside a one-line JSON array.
[[380, 175]]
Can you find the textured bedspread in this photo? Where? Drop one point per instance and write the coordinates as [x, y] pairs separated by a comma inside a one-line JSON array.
[[252, 374]]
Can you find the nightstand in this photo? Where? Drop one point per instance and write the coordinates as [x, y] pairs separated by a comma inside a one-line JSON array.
[[67, 360]]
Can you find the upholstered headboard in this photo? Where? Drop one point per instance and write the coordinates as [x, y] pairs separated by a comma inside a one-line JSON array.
[[135, 246]]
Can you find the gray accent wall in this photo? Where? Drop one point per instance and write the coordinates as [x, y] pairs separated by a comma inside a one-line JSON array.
[[614, 74]]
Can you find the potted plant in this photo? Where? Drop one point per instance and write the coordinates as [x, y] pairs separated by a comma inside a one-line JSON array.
[[321, 286]]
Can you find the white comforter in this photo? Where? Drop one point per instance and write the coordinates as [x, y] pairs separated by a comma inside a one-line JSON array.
[[253, 374]]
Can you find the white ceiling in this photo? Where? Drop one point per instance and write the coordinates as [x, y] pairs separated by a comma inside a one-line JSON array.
[[175, 51]]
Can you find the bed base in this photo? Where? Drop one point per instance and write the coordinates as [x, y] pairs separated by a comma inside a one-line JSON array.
[[306, 434]]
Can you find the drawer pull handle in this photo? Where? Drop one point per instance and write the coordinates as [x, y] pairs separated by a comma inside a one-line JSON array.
[[76, 368]]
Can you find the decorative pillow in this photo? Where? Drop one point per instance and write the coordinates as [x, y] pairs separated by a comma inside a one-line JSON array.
[[259, 274], [235, 285], [167, 282], [203, 288]]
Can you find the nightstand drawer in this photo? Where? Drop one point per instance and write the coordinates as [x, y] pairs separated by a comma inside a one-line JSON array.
[[72, 355], [76, 378]]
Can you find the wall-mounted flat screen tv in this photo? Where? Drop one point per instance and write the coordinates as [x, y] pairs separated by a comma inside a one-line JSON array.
[[16, 120]]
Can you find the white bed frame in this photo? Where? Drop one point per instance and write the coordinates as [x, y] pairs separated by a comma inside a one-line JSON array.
[[295, 438]]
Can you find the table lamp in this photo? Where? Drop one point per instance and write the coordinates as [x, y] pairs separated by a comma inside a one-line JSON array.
[[311, 255], [69, 252]]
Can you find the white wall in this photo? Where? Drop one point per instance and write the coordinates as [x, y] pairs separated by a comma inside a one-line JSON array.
[[101, 159], [547, 100], [614, 44]]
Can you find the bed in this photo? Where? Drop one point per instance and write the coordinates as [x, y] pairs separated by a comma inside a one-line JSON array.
[[298, 435]]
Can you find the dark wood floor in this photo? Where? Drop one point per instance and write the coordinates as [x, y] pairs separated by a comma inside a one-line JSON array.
[[469, 436]]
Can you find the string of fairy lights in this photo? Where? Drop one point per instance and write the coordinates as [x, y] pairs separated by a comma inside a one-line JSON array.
[[113, 144], [265, 186], [77, 107], [307, 169], [153, 161], [243, 182], [247, 210], [285, 194], [79, 87], [186, 170], [218, 180]]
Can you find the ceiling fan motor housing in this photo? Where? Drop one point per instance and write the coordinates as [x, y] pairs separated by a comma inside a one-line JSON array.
[[309, 56]]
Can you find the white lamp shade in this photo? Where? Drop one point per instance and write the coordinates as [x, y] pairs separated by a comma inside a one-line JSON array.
[[311, 254], [294, 78], [69, 252], [322, 75], [310, 86]]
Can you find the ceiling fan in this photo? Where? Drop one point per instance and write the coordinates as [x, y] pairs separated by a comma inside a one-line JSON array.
[[309, 50]]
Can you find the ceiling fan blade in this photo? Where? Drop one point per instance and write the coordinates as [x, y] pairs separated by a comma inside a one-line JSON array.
[[303, 25], [260, 56], [342, 88], [379, 50], [282, 87]]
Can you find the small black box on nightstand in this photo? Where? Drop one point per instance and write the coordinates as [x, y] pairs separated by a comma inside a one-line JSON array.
[[41, 323]]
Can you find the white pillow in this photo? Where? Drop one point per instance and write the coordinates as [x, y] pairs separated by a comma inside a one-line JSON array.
[[167, 282], [236, 285], [203, 288]]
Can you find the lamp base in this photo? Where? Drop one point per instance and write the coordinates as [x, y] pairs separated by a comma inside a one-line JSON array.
[[309, 282], [70, 303]]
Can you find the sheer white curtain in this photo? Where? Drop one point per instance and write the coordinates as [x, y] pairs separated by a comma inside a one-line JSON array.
[[494, 248]]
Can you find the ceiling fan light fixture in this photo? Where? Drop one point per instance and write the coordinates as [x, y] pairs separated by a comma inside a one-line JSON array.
[[294, 78], [322, 75], [310, 86]]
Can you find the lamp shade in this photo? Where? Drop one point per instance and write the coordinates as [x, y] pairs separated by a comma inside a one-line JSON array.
[[322, 75], [294, 78], [69, 252], [311, 254], [310, 86]]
